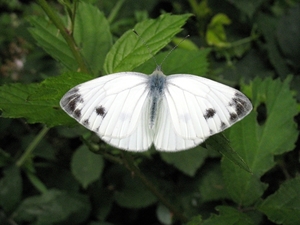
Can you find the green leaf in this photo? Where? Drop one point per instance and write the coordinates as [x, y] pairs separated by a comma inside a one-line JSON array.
[[283, 207], [179, 61], [215, 34], [164, 215], [247, 7], [211, 186], [288, 33], [39, 103], [229, 216], [267, 26], [196, 220], [220, 144], [257, 143], [10, 188], [53, 207], [134, 194], [130, 51], [92, 35], [49, 38], [188, 161], [86, 166]]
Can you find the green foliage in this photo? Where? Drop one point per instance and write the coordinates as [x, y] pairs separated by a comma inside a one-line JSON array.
[[249, 174], [86, 166]]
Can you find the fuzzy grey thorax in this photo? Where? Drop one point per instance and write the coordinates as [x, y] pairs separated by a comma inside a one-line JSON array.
[[157, 83]]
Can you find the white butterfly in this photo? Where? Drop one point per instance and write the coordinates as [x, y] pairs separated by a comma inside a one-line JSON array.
[[132, 111]]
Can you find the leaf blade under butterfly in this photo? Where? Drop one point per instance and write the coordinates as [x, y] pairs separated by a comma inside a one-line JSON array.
[[130, 51]]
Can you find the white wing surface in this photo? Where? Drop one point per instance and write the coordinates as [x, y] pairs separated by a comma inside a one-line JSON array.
[[112, 107], [200, 107]]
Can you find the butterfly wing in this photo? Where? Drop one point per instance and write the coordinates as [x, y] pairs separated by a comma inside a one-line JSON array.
[[166, 138], [112, 107], [200, 107]]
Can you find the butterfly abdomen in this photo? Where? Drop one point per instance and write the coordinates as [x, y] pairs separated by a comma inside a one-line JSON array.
[[157, 83]]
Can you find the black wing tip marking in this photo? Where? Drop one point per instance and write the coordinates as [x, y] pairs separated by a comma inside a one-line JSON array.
[[70, 102], [209, 113], [241, 104]]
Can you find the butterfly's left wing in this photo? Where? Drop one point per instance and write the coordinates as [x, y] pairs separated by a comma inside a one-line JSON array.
[[200, 107], [112, 106]]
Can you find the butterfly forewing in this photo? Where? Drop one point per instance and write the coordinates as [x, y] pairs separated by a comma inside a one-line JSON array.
[[110, 105], [200, 107]]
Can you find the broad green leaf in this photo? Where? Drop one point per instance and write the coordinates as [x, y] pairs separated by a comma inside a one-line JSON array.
[[257, 143], [130, 50], [220, 144], [86, 166], [49, 38], [229, 216], [188, 161], [180, 61], [283, 207], [53, 207], [92, 35], [134, 194], [39, 103], [215, 34], [10, 188]]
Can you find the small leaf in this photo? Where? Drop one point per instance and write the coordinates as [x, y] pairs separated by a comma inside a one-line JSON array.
[[215, 34], [10, 188], [49, 38], [130, 51], [188, 161], [134, 194], [229, 216], [86, 166], [211, 186], [164, 215], [92, 35], [283, 207], [53, 207]]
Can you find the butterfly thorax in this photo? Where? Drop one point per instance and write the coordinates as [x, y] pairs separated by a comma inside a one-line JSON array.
[[157, 83]]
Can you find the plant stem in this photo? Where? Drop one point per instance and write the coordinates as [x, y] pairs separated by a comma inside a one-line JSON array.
[[68, 38], [31, 147], [131, 166]]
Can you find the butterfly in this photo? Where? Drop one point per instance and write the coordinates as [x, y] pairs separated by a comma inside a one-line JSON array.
[[132, 111]]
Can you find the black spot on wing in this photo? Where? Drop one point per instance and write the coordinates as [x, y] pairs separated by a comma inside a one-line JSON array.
[[101, 111], [233, 117], [209, 113]]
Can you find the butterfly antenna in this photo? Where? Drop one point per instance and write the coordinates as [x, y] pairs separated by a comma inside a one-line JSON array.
[[149, 50], [173, 49]]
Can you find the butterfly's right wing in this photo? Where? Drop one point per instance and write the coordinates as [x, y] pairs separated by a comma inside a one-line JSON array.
[[112, 106], [166, 138]]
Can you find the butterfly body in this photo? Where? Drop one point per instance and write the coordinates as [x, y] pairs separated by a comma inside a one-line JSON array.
[[132, 111], [157, 83]]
